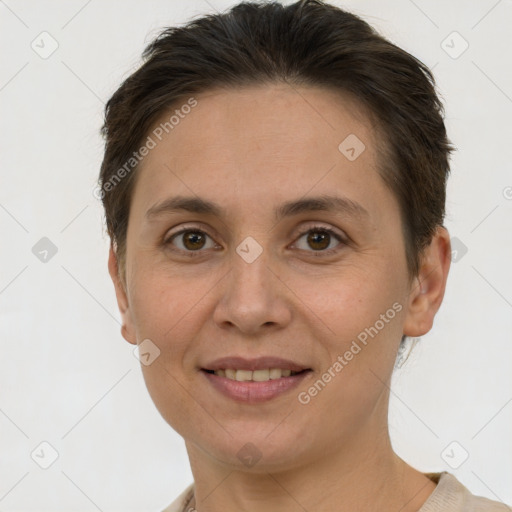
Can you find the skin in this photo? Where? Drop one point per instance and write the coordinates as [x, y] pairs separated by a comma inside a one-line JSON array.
[[249, 150]]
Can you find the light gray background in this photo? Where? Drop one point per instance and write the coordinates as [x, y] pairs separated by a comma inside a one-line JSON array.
[[68, 378]]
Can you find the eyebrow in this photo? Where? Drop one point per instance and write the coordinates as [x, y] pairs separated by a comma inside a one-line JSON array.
[[328, 203]]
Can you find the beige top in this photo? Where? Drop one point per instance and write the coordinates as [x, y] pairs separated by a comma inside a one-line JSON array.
[[448, 496]]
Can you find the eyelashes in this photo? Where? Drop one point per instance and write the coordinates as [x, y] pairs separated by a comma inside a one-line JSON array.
[[195, 236], [324, 231], [203, 235]]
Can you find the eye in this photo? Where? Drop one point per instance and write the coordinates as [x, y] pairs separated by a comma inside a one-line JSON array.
[[320, 238], [191, 239]]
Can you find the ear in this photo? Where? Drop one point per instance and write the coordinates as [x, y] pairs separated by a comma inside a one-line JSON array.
[[428, 287], [127, 329]]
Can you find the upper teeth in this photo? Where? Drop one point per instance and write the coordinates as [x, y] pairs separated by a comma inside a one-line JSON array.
[[256, 375]]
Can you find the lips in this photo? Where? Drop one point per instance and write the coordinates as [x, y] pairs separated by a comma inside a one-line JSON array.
[[255, 376], [261, 363], [254, 380]]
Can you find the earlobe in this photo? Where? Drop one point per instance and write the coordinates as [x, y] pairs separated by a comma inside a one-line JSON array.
[[427, 290], [127, 328]]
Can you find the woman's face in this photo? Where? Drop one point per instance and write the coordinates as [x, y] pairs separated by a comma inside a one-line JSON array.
[[257, 277]]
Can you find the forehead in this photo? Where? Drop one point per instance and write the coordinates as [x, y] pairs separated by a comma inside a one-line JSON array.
[[266, 113], [278, 140]]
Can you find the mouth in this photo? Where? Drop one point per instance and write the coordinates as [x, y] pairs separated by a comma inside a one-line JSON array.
[[254, 386], [262, 375]]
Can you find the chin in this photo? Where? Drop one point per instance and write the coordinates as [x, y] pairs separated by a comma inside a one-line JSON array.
[[257, 449]]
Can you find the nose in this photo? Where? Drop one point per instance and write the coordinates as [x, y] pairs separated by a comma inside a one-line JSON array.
[[253, 297]]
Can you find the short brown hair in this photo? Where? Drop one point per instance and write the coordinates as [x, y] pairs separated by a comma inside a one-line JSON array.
[[306, 43]]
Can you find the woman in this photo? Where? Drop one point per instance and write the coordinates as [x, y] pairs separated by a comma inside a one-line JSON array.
[[274, 186]]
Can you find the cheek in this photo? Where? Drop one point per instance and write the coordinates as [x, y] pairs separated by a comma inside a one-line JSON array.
[[164, 306], [362, 323], [348, 301], [359, 356], [164, 310]]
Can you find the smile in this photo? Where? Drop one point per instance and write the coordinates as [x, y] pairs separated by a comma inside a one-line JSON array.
[[255, 376], [243, 386]]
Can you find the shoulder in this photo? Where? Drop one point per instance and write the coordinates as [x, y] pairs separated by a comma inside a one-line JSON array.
[[178, 504], [450, 495]]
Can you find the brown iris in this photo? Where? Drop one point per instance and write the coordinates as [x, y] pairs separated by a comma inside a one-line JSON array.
[[193, 238], [319, 237]]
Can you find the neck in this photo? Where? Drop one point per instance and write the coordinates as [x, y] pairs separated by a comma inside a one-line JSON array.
[[354, 477]]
